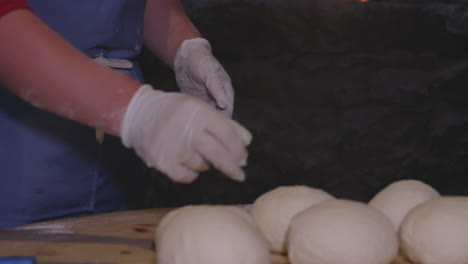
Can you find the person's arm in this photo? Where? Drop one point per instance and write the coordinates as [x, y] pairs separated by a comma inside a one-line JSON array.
[[46, 71], [171, 132], [166, 27]]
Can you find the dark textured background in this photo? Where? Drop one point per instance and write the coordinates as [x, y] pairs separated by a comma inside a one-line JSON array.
[[340, 95]]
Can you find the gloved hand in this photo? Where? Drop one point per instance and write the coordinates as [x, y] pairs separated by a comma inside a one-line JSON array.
[[182, 136], [198, 73]]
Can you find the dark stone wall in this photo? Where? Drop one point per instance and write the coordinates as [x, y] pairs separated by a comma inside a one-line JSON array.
[[340, 95]]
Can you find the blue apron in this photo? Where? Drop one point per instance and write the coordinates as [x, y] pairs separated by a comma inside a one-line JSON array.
[[51, 167]]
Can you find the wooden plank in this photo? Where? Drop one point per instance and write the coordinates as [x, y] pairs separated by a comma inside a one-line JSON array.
[[115, 238], [50, 252]]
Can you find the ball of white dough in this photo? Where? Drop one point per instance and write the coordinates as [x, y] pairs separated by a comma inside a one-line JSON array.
[[436, 232], [398, 198], [210, 235], [342, 231], [274, 210]]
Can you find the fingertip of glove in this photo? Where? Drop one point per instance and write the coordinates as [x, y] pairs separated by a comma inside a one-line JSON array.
[[185, 179], [221, 104], [243, 133], [246, 137], [240, 177], [243, 162], [181, 174]]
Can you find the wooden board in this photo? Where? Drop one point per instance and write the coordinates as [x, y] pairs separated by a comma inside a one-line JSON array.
[[115, 238]]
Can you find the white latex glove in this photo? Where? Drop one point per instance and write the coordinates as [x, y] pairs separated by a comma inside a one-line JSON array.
[[198, 73], [182, 136]]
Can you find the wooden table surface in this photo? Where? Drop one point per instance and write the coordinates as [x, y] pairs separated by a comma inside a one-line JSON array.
[[115, 238]]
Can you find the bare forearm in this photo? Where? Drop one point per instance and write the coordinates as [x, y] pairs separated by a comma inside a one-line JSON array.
[[43, 69], [166, 27]]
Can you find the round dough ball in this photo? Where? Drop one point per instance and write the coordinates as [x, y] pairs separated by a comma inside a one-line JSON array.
[[206, 234], [398, 198], [436, 232], [274, 210], [342, 231]]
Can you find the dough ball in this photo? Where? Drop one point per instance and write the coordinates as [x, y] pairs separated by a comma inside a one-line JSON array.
[[274, 210], [210, 235], [342, 231], [436, 232], [397, 199]]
